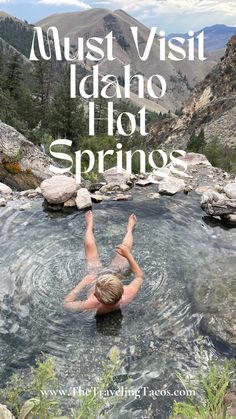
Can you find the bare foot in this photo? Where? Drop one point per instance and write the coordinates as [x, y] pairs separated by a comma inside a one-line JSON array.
[[89, 218], [132, 221]]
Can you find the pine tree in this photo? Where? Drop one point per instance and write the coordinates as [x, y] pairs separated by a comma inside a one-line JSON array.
[[68, 119], [14, 75]]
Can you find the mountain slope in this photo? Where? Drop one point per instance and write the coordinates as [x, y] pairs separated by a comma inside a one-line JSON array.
[[216, 36], [99, 22], [211, 107]]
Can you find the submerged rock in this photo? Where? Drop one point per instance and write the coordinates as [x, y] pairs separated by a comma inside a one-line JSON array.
[[216, 299], [83, 199], [171, 186], [58, 189]]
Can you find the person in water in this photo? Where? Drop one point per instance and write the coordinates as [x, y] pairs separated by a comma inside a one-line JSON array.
[[108, 292]]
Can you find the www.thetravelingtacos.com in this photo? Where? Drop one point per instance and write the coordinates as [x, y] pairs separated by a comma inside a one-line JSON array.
[[122, 392]]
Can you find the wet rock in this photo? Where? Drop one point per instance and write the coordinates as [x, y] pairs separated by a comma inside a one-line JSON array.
[[143, 182], [25, 207], [215, 298], [171, 186], [96, 186], [122, 197], [3, 202], [83, 199], [30, 193], [193, 159], [188, 189], [22, 164], [5, 413], [97, 198], [70, 203], [112, 176], [216, 204], [114, 187], [229, 219], [52, 207], [230, 190], [58, 189], [4, 189], [154, 196]]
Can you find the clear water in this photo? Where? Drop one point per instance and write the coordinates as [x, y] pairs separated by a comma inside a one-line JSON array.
[[41, 260]]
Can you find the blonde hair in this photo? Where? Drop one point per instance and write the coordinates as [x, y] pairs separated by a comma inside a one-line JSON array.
[[109, 289]]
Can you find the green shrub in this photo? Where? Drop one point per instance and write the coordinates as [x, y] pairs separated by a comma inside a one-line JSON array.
[[214, 385]]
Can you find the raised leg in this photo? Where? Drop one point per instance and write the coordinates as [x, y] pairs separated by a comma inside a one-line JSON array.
[[90, 247], [119, 261]]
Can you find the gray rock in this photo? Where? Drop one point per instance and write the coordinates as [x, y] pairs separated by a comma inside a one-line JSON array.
[[70, 203], [143, 182], [83, 199], [230, 190], [154, 195], [3, 202], [4, 189], [58, 189], [111, 176], [171, 186], [216, 204], [25, 206], [33, 166], [96, 186], [122, 197], [115, 187]]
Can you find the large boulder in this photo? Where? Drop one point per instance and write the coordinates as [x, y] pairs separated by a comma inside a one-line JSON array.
[[22, 164], [112, 176], [83, 199], [171, 186], [58, 189], [230, 190]]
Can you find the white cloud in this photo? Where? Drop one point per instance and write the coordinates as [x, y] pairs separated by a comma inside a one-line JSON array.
[[4, 1], [78, 3], [226, 7]]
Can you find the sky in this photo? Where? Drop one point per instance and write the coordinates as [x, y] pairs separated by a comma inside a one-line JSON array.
[[168, 15]]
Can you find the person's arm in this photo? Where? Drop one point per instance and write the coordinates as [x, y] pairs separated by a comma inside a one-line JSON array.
[[134, 287], [69, 302]]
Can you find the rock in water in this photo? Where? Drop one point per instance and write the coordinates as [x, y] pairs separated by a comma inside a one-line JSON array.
[[5, 413], [22, 164], [215, 299], [3, 202], [171, 186], [4, 189], [83, 199], [58, 189], [230, 190]]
